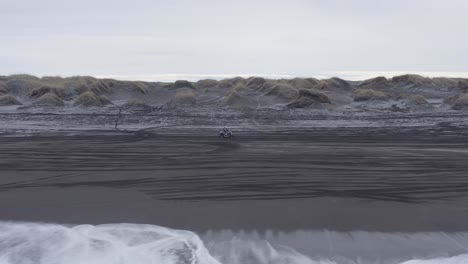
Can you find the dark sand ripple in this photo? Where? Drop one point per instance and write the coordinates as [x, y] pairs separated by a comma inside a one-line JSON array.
[[416, 165]]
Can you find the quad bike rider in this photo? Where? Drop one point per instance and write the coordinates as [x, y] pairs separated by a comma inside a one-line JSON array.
[[225, 133]]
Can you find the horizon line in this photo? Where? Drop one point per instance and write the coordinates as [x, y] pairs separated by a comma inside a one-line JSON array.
[[193, 77]]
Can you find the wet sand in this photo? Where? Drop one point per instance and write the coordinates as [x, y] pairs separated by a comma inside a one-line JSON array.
[[374, 179]]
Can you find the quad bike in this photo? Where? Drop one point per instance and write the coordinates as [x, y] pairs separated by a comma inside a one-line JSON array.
[[226, 134]]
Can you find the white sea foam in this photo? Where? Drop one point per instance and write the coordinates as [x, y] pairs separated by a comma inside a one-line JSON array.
[[26, 243], [36, 243]]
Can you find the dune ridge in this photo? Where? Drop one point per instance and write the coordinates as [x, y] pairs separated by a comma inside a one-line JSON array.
[[409, 92]]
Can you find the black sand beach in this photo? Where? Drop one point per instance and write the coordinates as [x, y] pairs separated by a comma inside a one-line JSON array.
[[373, 179]]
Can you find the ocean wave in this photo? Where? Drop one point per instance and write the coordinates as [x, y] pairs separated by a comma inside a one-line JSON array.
[[34, 243], [38, 243]]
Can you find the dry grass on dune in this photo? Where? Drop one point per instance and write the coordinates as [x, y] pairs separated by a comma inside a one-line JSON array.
[[48, 100], [87, 80], [81, 88], [79, 84], [136, 104], [308, 98], [91, 99], [331, 84], [451, 99], [337, 83], [230, 83], [283, 92], [225, 84], [22, 85], [182, 84], [53, 80], [206, 84], [183, 97], [255, 81], [38, 92], [3, 88], [375, 83], [301, 83], [463, 85], [100, 87], [445, 82], [113, 87], [417, 100], [237, 100], [321, 85], [9, 100], [369, 94], [241, 88], [237, 92], [458, 101], [233, 98], [312, 81], [140, 87], [24, 77], [411, 79]]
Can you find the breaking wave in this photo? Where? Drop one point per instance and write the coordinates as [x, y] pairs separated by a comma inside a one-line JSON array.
[[37, 243], [26, 243]]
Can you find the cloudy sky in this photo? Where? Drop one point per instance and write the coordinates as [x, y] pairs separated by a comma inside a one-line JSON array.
[[172, 39]]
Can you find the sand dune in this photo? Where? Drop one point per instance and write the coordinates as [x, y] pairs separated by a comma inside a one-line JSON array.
[[38, 92], [369, 94], [183, 97], [3, 88], [458, 102], [282, 92], [463, 85], [309, 97], [9, 100], [409, 91], [91, 99], [48, 100], [417, 101]]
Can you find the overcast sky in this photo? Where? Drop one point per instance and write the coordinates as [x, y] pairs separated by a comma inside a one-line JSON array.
[[172, 39]]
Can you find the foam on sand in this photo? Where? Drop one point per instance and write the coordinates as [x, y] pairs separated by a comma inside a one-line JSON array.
[[26, 243]]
